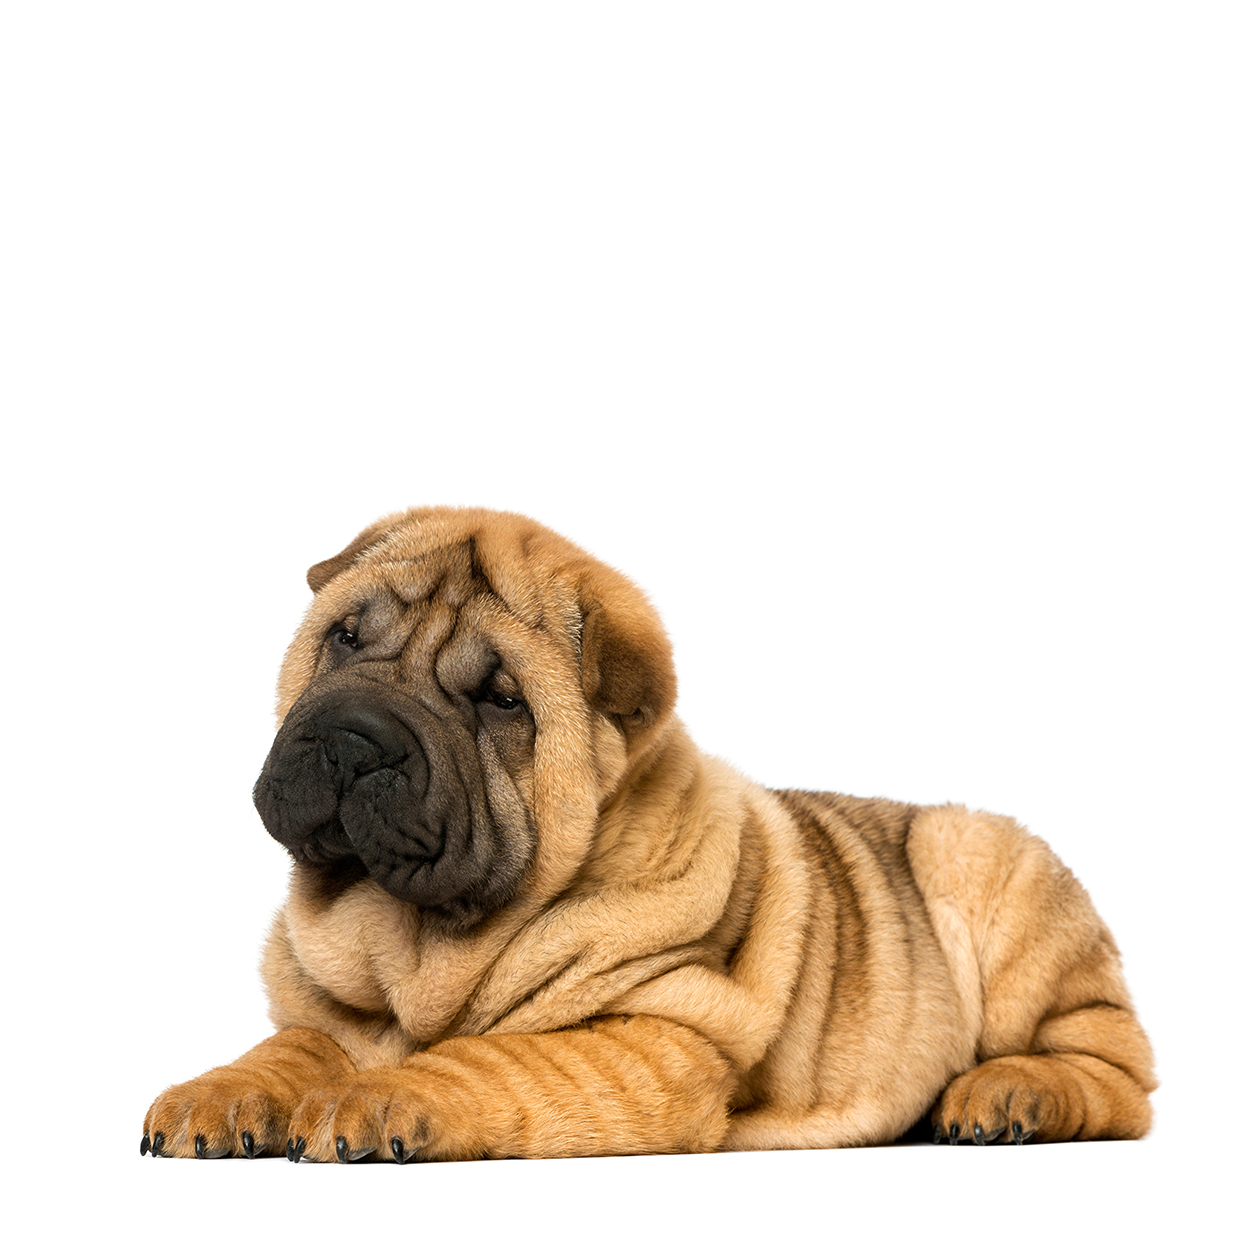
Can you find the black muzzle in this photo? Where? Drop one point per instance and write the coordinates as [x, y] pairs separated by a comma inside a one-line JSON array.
[[361, 770]]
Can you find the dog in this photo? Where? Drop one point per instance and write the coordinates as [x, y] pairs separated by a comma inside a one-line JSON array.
[[528, 918]]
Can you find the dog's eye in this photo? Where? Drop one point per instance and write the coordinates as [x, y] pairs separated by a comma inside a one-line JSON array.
[[346, 638], [496, 698]]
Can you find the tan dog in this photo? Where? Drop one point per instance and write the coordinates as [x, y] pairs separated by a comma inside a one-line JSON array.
[[528, 918]]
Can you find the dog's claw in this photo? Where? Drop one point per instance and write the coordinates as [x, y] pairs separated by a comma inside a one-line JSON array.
[[937, 1135], [979, 1135], [201, 1146], [1017, 1132], [158, 1140], [954, 1133], [249, 1146], [397, 1149], [145, 1145], [295, 1149], [340, 1149]]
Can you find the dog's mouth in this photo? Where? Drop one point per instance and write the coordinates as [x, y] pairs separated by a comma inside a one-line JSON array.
[[328, 844], [360, 772]]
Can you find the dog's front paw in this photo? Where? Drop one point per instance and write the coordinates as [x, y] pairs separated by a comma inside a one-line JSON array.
[[244, 1108], [220, 1113], [384, 1114]]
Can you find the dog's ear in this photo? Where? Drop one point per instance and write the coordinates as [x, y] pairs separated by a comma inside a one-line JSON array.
[[321, 573], [627, 662]]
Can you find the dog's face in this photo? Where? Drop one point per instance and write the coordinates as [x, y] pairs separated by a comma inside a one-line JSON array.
[[465, 693]]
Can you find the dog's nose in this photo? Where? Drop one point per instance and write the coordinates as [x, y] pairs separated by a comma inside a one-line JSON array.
[[359, 740]]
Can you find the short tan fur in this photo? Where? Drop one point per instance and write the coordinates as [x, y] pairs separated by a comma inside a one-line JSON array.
[[621, 945]]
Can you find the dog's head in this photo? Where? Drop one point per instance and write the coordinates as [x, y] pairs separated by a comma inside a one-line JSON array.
[[464, 695]]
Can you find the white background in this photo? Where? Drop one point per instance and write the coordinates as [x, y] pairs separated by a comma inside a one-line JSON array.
[[898, 351]]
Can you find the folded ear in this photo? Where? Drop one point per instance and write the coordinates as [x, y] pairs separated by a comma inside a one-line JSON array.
[[627, 662], [321, 573]]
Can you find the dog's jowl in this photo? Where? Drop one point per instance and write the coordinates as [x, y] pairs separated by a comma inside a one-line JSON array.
[[528, 918]]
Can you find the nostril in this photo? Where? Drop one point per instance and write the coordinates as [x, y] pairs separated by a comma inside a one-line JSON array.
[[359, 731], [352, 753], [375, 725], [357, 740]]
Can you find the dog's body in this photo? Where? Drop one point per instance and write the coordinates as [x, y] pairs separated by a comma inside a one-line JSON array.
[[528, 918]]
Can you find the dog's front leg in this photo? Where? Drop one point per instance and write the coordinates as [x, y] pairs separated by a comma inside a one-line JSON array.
[[616, 1085], [244, 1108]]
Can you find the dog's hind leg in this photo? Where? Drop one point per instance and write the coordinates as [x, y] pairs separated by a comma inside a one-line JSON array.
[[1062, 1055]]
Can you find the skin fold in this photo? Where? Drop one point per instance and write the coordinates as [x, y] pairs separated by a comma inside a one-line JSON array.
[[528, 918]]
